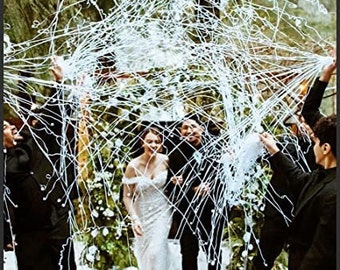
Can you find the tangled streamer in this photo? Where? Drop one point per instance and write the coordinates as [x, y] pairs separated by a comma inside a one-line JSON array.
[[151, 62]]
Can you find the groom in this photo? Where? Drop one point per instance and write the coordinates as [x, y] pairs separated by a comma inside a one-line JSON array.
[[193, 190]]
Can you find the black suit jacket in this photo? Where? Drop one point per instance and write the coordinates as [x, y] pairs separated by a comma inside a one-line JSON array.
[[310, 110], [204, 166], [313, 230], [40, 172], [179, 156], [279, 194]]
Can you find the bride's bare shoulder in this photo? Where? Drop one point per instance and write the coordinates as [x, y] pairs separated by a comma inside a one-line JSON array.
[[132, 167]]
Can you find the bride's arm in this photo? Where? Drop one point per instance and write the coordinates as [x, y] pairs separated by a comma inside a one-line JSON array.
[[128, 193]]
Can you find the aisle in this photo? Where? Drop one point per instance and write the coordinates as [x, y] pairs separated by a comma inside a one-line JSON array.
[[10, 260]]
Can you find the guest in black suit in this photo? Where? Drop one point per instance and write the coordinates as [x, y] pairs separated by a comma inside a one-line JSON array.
[[195, 191], [279, 202], [312, 237], [279, 197], [41, 177]]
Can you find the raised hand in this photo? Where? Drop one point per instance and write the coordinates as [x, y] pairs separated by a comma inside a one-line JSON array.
[[329, 69], [269, 142], [56, 69]]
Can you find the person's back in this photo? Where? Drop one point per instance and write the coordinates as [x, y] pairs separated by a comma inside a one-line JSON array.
[[312, 238], [26, 186], [279, 203], [40, 174], [312, 241], [41, 206]]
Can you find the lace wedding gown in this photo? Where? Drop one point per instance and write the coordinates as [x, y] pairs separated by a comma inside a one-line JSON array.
[[154, 212]]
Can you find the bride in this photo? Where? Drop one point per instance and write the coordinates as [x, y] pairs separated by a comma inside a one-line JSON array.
[[147, 205]]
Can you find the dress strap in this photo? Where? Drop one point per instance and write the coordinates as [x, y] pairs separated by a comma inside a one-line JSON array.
[[130, 181]]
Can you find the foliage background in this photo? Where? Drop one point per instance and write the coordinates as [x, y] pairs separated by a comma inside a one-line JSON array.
[[107, 238]]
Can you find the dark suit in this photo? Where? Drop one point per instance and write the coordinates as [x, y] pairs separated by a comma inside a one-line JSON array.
[[199, 218], [275, 230], [42, 185], [312, 237], [279, 202], [310, 110]]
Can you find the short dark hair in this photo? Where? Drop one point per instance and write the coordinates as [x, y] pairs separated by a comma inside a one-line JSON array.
[[325, 131], [192, 116]]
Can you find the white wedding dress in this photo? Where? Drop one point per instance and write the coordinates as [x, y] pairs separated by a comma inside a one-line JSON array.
[[154, 212]]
